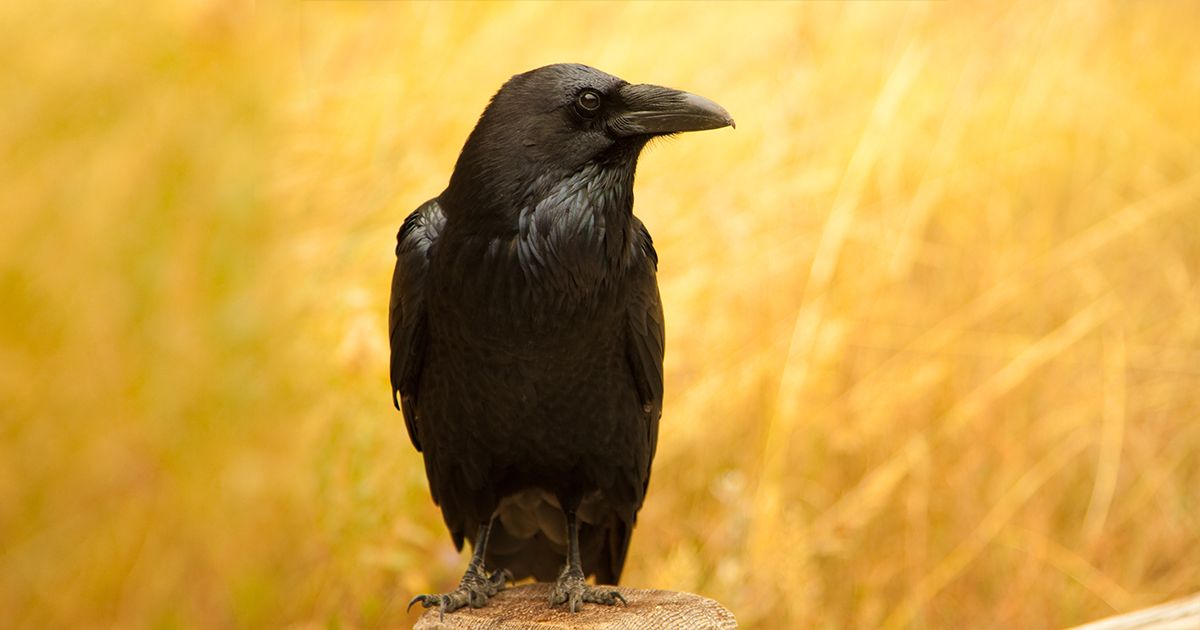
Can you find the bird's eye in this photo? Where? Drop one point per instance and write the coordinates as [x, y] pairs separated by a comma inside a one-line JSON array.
[[587, 103]]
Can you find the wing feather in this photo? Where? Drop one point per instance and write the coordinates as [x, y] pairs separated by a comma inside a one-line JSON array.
[[406, 312], [646, 337]]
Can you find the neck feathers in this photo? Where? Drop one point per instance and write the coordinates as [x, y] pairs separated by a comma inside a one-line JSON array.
[[579, 232]]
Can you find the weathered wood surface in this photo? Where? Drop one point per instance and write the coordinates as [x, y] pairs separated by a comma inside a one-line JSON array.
[[528, 608], [1183, 614]]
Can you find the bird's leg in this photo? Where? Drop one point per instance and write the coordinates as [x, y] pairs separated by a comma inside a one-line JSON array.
[[571, 588], [476, 586]]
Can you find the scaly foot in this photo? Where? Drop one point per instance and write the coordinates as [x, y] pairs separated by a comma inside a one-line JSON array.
[[474, 590], [572, 590]]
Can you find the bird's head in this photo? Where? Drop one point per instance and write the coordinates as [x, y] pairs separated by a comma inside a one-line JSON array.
[[548, 123]]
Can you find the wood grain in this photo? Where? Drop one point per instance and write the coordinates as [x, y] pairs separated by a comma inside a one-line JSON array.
[[528, 608], [1183, 614]]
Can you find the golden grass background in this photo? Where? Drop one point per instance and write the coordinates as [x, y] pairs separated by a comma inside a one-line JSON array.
[[933, 308]]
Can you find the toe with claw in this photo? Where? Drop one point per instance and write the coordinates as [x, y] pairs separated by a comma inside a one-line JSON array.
[[475, 589], [572, 590]]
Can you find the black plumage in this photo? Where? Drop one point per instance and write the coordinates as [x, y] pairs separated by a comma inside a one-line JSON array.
[[527, 330]]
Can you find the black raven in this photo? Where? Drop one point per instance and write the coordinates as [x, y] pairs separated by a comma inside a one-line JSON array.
[[527, 331]]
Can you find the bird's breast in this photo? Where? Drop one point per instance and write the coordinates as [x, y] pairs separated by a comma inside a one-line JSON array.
[[538, 281]]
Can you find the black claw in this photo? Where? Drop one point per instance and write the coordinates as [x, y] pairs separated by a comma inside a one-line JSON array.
[[418, 598], [618, 596]]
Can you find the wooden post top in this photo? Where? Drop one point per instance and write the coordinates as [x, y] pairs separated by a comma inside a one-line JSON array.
[[1183, 614], [528, 608]]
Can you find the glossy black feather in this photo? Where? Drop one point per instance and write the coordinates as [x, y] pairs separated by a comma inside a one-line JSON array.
[[406, 312]]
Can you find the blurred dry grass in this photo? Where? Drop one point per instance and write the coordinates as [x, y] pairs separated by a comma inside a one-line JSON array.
[[933, 308]]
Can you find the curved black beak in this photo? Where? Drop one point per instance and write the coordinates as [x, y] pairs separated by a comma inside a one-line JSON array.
[[654, 110]]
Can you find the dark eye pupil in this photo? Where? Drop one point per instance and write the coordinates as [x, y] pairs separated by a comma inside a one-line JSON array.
[[589, 101]]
